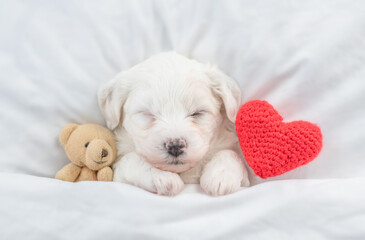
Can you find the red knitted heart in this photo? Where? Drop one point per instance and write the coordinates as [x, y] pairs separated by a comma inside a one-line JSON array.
[[272, 147]]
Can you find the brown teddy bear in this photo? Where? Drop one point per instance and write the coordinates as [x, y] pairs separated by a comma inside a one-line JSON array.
[[91, 149]]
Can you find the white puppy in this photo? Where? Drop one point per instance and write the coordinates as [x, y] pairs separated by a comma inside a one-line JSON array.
[[174, 122]]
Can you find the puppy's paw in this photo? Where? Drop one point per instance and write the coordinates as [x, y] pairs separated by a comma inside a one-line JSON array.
[[224, 174], [134, 170], [222, 183], [245, 181], [167, 183]]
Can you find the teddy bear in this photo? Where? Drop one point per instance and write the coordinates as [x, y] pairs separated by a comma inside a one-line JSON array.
[[91, 149]]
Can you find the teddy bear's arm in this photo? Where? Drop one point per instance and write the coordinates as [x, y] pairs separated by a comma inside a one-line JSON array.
[[105, 174], [69, 173]]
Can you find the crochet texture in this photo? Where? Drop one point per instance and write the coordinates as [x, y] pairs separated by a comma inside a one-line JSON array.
[[272, 147]]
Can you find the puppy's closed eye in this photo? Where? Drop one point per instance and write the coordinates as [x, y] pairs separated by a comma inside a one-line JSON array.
[[147, 114], [197, 114], [144, 119]]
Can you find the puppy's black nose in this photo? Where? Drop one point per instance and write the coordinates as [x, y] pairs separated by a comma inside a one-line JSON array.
[[104, 153], [175, 147], [174, 150]]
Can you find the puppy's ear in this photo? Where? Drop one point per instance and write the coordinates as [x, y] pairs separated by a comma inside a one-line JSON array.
[[111, 98], [227, 89]]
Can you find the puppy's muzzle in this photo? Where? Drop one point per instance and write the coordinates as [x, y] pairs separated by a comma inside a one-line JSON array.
[[175, 147]]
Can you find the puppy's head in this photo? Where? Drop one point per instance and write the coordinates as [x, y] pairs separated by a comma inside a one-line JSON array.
[[171, 107]]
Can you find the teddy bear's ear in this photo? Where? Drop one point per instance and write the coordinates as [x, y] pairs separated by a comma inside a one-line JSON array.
[[66, 132]]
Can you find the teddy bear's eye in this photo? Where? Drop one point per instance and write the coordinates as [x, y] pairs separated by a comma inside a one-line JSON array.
[[86, 144]]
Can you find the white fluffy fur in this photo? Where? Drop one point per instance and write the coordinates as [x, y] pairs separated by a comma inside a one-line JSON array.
[[166, 97]]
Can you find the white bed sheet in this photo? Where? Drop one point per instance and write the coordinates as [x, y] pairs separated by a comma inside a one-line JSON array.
[[304, 57]]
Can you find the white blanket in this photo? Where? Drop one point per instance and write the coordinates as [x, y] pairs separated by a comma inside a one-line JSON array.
[[307, 58], [40, 208]]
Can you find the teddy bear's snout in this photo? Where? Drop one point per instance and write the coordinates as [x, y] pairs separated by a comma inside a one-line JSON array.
[[98, 154], [104, 153]]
